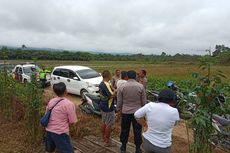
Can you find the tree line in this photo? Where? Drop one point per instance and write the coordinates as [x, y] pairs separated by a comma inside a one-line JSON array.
[[221, 52]]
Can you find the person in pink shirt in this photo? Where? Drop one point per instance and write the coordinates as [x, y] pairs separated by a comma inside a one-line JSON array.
[[62, 115]]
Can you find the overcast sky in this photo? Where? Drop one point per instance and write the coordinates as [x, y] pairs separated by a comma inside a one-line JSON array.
[[134, 26]]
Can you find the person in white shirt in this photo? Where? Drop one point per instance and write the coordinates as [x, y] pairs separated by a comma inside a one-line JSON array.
[[124, 78], [158, 120]]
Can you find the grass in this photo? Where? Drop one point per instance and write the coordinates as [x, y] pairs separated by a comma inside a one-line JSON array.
[[168, 70]]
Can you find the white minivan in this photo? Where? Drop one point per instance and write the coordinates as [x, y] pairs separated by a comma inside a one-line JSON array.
[[78, 79]]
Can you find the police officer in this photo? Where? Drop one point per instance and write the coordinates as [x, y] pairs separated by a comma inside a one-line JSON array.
[[42, 76]]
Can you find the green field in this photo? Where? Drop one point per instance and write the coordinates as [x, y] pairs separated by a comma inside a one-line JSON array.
[[166, 70]]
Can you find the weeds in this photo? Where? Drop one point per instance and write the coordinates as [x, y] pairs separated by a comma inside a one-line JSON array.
[[207, 87], [21, 101], [27, 96], [7, 87], [33, 107]]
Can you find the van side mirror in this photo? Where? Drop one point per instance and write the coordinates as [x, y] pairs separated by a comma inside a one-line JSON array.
[[76, 78]]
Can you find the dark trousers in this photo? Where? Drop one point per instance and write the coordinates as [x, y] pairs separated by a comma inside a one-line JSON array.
[[60, 141], [150, 148], [126, 121], [43, 83]]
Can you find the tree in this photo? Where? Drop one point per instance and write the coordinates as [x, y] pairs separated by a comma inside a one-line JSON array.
[[4, 53], [163, 54], [24, 46]]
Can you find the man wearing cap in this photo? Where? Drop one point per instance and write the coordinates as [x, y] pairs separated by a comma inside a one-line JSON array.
[[158, 120]]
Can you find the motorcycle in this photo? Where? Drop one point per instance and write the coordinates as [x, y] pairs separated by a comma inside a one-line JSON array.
[[221, 136], [152, 96], [221, 125], [91, 104], [189, 108]]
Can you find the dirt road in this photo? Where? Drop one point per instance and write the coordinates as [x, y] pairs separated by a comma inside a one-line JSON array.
[[50, 94]]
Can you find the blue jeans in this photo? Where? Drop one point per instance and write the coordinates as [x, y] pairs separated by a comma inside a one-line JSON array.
[[59, 141]]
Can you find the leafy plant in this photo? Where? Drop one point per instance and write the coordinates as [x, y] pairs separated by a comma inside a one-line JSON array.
[[33, 104], [29, 96], [207, 87]]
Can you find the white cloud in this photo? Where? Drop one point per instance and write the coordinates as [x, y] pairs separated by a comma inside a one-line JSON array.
[[149, 26]]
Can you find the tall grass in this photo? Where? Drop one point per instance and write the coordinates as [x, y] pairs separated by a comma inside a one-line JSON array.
[[7, 87], [22, 101], [34, 97]]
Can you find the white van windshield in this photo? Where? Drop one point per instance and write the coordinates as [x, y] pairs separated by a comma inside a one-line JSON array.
[[87, 73]]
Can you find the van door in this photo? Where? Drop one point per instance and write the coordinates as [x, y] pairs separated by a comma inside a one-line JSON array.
[[82, 85], [74, 83], [64, 76], [55, 76]]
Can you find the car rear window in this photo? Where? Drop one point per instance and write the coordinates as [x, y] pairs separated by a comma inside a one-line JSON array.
[[88, 73]]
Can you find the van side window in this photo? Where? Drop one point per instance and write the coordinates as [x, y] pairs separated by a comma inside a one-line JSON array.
[[64, 73], [56, 72], [72, 74]]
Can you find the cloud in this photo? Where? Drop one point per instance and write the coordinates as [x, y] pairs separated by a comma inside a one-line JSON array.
[[149, 26]]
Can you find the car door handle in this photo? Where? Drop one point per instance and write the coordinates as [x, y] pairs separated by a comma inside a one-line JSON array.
[[68, 80], [58, 78]]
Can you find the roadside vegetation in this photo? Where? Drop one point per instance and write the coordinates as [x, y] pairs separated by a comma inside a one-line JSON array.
[[21, 103]]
